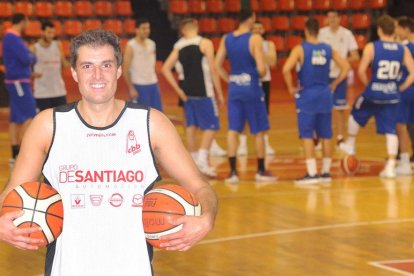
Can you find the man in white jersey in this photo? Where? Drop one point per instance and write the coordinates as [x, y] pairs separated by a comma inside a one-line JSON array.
[[343, 41], [49, 88], [139, 67], [73, 145]]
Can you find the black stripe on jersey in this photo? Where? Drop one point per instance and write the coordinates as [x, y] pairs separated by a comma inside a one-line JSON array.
[[191, 59], [100, 128]]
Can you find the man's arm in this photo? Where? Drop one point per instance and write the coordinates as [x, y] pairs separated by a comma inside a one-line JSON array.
[[271, 55], [207, 49], [65, 62], [166, 71], [128, 55], [343, 65], [256, 49], [220, 56], [409, 64], [367, 57], [290, 63], [28, 166], [353, 56], [168, 155]]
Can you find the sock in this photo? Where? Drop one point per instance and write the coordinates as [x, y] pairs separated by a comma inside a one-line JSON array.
[[260, 165], [232, 161], [353, 126], [202, 156], [311, 166], [392, 144], [405, 158], [390, 165], [15, 150], [326, 165]]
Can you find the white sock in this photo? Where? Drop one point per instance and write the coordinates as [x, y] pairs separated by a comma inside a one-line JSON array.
[[392, 144], [242, 140], [214, 145], [311, 166], [326, 165], [405, 158], [390, 165], [353, 126], [202, 156]]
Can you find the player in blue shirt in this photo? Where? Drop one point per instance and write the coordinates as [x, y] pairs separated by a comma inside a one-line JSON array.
[[381, 96], [245, 95], [314, 100]]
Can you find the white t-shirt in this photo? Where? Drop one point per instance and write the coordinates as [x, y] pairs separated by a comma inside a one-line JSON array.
[[266, 49], [142, 68], [343, 41]]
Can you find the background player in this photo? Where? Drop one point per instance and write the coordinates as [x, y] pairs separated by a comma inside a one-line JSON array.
[[245, 94], [49, 88], [382, 92], [139, 67], [314, 97]]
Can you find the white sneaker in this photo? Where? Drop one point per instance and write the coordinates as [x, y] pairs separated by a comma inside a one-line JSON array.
[[404, 169], [206, 169], [232, 179], [265, 177], [388, 173], [346, 148], [269, 150], [216, 150], [242, 150]]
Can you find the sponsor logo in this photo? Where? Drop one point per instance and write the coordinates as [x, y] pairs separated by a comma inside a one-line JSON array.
[[77, 201], [132, 145], [137, 200], [116, 200], [96, 200]]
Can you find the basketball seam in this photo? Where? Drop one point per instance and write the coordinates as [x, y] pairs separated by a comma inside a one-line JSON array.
[[34, 207], [182, 206], [164, 212], [157, 232], [19, 207], [192, 203]]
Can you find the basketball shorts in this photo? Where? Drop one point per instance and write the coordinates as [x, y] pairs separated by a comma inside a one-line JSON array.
[[339, 96], [149, 95], [319, 123], [45, 103], [22, 102], [202, 113], [253, 112], [385, 115], [406, 107]]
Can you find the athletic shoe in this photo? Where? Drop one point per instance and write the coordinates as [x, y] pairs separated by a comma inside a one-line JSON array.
[[388, 173], [404, 169], [233, 178], [307, 180], [340, 141], [206, 169], [325, 177], [269, 150], [344, 147], [265, 177], [216, 150], [242, 150], [11, 163]]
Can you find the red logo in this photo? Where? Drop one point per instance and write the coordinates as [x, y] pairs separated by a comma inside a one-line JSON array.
[[132, 145], [137, 200], [96, 200], [116, 200], [77, 201]]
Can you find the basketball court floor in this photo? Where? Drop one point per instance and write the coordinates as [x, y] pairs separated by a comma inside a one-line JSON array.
[[359, 225]]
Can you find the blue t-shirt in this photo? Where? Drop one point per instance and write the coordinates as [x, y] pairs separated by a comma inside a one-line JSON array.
[[408, 94], [386, 67], [313, 77]]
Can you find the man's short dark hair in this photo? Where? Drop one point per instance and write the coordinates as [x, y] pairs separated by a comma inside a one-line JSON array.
[[95, 38], [17, 18], [406, 22], [312, 26], [141, 21], [244, 14], [387, 24], [185, 21], [47, 24]]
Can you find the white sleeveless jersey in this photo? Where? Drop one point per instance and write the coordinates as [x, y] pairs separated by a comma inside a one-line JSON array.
[[142, 67], [266, 77], [49, 64], [102, 175]]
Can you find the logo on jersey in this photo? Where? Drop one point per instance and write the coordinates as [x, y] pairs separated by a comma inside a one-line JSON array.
[[96, 200], [318, 57], [116, 200], [132, 145], [77, 201], [137, 200]]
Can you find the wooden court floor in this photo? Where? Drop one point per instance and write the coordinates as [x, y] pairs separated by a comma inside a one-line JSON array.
[[278, 228]]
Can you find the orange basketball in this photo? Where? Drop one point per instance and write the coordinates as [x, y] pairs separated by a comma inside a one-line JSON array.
[[164, 203], [42, 207], [350, 164]]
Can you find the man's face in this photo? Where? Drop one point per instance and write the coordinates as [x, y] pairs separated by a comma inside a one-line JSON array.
[[258, 29], [96, 73], [144, 30], [48, 34], [333, 20], [25, 23], [401, 32]]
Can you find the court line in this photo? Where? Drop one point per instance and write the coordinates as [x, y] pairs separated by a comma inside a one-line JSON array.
[[380, 264], [305, 229]]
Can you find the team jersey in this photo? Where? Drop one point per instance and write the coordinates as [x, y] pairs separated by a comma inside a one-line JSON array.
[[407, 94], [142, 67], [196, 74], [244, 81], [386, 66], [313, 77], [102, 174], [49, 65]]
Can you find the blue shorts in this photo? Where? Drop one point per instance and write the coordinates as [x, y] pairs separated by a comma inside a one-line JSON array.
[[22, 102], [339, 96], [405, 109], [149, 95], [385, 115], [319, 123], [202, 113], [253, 111]]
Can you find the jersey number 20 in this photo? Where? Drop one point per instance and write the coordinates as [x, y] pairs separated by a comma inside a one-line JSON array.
[[388, 69]]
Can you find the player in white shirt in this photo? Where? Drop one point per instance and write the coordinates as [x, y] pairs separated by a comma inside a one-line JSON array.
[[343, 41]]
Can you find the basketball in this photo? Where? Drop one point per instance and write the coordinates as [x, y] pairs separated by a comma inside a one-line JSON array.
[[350, 164], [42, 207], [164, 203]]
